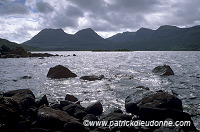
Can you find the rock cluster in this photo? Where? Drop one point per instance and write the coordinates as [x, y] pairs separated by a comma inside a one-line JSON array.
[[21, 112]]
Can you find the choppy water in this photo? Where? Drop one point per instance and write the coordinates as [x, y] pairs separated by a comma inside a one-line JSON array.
[[122, 70]]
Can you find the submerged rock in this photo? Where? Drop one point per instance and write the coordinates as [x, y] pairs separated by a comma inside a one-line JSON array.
[[164, 70], [142, 87], [92, 78], [26, 77], [60, 71]]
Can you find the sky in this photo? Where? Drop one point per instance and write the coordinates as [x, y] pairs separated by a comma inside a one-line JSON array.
[[20, 20]]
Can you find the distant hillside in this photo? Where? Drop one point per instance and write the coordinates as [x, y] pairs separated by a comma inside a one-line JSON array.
[[14, 45], [164, 38], [57, 39]]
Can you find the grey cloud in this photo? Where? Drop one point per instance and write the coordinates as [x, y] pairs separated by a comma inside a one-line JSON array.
[[62, 21], [44, 7], [73, 11], [134, 5], [9, 8], [67, 16], [187, 12], [116, 14]]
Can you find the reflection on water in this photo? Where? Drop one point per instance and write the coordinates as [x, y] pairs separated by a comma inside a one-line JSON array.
[[122, 70]]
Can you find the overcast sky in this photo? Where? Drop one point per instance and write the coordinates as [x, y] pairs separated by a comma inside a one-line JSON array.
[[22, 19]]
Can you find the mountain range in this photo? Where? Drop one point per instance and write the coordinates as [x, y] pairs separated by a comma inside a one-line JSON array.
[[162, 39], [57, 39]]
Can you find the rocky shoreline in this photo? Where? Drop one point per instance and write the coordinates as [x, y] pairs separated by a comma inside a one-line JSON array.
[[19, 52], [21, 112], [27, 55]]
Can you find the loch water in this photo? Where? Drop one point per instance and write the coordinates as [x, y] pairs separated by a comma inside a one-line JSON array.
[[123, 72]]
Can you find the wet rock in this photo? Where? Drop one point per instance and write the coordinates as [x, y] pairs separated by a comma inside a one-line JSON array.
[[80, 114], [26, 100], [60, 71], [143, 87], [11, 111], [71, 98], [95, 108], [133, 103], [73, 108], [42, 101], [162, 114], [164, 70], [167, 129], [40, 130], [116, 117], [113, 110], [65, 103], [32, 112], [161, 100], [74, 127], [26, 77], [23, 126], [61, 105], [54, 119], [92, 78], [24, 97], [90, 117], [13, 92]]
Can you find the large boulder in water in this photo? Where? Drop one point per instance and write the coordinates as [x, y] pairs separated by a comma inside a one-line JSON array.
[[164, 70], [60, 71]]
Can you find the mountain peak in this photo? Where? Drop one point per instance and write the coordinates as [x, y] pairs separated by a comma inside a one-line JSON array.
[[85, 31], [52, 30], [141, 30], [167, 27]]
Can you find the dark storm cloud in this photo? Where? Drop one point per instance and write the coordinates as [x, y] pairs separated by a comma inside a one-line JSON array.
[[73, 11], [44, 7], [67, 16], [106, 16], [116, 14], [187, 12], [134, 5], [9, 8]]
